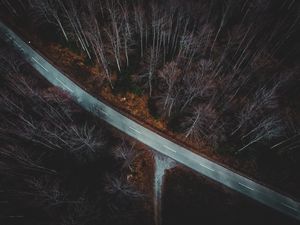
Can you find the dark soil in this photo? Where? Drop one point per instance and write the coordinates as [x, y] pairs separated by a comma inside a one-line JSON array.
[[192, 199]]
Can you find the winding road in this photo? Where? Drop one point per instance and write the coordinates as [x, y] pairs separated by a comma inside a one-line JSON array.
[[182, 155]]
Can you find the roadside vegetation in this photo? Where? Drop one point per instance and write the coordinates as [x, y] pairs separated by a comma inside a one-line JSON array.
[[59, 165], [219, 75]]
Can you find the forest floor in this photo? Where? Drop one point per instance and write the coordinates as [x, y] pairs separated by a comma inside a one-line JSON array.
[[135, 106], [197, 200], [141, 176]]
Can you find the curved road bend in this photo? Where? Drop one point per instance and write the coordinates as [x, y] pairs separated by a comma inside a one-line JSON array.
[[182, 155]]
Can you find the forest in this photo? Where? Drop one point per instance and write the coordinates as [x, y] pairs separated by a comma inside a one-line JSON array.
[[225, 72], [223, 75], [57, 164]]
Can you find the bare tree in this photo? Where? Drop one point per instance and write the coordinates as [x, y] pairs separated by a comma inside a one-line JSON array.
[[201, 123], [17, 161], [263, 101], [188, 48], [147, 76], [83, 211], [86, 141], [167, 103], [48, 124], [127, 153], [47, 193], [13, 6], [266, 130], [82, 141], [95, 37], [50, 12], [169, 75], [127, 31], [198, 83], [121, 189], [124, 200], [113, 31], [10, 61], [72, 16], [139, 16]]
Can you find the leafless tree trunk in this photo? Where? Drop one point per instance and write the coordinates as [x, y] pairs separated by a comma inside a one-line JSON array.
[[95, 37], [127, 153], [266, 130], [20, 159], [264, 99], [72, 14], [139, 16], [46, 193], [10, 61], [49, 10], [117, 186], [198, 125], [11, 5], [113, 31], [56, 131], [170, 74]]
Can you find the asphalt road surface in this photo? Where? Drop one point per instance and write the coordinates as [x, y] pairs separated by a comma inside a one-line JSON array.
[[182, 155]]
